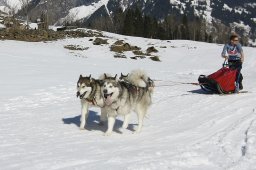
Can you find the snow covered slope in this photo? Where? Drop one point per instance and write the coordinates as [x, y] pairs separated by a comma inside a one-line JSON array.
[[184, 130], [84, 11]]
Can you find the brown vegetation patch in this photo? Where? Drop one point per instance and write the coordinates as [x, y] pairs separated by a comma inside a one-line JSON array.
[[41, 35], [99, 41], [152, 49], [119, 56], [138, 57], [155, 58], [123, 47], [138, 52], [119, 42], [76, 47]]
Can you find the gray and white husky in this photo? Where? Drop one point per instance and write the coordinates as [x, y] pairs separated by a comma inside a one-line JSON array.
[[89, 92], [123, 96]]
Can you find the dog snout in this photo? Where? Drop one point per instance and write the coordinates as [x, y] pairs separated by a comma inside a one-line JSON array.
[[105, 91], [77, 94]]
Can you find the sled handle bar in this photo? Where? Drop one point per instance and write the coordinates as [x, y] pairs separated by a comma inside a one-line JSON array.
[[225, 63]]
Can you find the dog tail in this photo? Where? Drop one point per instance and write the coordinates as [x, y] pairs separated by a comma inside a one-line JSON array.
[[138, 78]]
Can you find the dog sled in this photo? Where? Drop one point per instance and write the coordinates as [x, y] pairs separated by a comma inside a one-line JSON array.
[[222, 81]]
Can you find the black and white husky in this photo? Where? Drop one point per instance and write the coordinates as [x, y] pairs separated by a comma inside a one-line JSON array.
[[89, 92]]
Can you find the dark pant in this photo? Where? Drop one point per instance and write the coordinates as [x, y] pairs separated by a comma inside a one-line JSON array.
[[236, 64]]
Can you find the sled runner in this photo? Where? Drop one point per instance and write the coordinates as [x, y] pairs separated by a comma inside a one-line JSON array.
[[222, 81], [232, 93]]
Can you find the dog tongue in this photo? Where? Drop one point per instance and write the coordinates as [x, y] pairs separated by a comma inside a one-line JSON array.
[[108, 100]]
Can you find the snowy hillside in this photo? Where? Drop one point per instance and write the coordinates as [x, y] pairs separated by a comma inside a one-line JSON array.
[[228, 12], [184, 130], [101, 14], [84, 11]]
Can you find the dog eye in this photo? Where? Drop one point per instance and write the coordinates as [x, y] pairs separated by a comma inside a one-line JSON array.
[[110, 86], [83, 86], [104, 85]]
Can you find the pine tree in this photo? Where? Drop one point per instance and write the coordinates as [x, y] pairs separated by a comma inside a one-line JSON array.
[[147, 29], [138, 23], [161, 33], [118, 20], [184, 28], [128, 28]]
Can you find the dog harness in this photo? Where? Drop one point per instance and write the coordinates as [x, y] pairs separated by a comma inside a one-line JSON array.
[[92, 101]]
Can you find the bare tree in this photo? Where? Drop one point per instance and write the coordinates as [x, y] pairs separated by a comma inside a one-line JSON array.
[[46, 22], [24, 6], [12, 9], [65, 8]]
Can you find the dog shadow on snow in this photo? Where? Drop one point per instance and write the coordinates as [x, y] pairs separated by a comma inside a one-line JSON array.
[[93, 123]]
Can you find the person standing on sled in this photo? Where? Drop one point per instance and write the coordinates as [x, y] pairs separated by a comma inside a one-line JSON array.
[[233, 52]]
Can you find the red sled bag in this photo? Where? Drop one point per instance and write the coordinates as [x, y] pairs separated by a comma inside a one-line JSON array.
[[222, 81]]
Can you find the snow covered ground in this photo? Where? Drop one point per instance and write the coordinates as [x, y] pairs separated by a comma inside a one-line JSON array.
[[184, 130]]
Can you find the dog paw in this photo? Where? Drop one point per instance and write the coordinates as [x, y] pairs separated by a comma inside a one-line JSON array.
[[124, 127], [107, 133], [136, 131], [82, 128], [121, 129]]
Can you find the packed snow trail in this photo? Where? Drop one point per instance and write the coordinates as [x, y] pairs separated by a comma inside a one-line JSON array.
[[185, 129]]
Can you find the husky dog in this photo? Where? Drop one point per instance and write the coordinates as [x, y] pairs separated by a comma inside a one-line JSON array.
[[89, 92], [122, 97]]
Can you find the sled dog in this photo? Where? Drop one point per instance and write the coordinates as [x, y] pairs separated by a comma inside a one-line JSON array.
[[125, 95], [89, 92]]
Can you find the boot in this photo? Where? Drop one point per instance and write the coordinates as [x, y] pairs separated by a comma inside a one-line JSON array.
[[240, 82], [241, 86], [237, 88]]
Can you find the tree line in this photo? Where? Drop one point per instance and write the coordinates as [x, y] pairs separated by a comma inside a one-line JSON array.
[[133, 22]]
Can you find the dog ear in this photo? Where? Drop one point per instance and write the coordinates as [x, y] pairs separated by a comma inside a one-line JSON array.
[[80, 76], [121, 77], [105, 75], [116, 77], [90, 76], [150, 80]]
